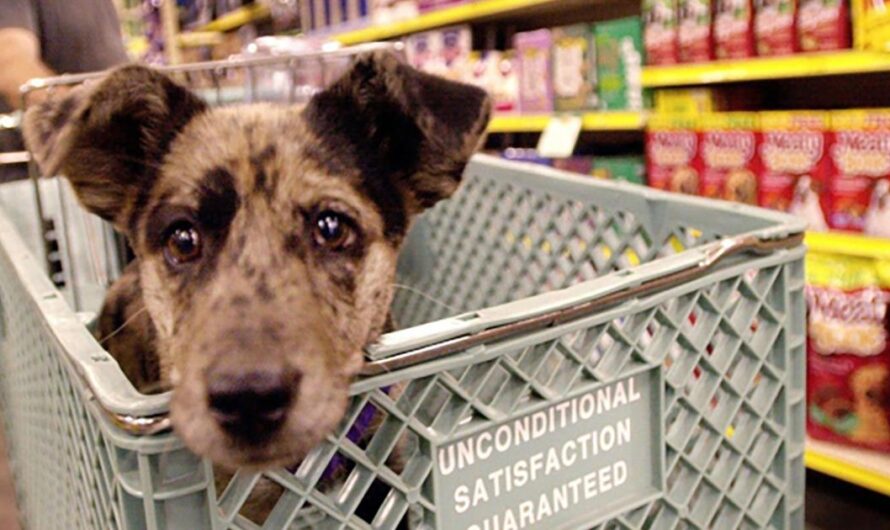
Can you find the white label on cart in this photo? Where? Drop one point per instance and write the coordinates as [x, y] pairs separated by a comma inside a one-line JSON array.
[[569, 464]]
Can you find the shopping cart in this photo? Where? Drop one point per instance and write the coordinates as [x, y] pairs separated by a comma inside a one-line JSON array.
[[573, 354]]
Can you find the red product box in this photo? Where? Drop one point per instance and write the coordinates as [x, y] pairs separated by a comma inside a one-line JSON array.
[[775, 27], [859, 180], [848, 358], [695, 40], [728, 153], [734, 29], [671, 149], [823, 25], [794, 165], [660, 31]]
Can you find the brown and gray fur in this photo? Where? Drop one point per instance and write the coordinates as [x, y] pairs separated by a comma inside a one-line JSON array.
[[266, 296]]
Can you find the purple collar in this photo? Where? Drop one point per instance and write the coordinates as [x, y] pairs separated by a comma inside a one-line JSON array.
[[356, 433]]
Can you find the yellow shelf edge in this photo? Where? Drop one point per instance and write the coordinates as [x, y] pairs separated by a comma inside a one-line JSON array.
[[237, 18], [591, 121], [848, 244], [847, 471], [439, 18], [764, 68]]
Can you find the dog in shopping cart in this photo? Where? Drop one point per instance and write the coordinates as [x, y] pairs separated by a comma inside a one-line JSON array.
[[265, 237]]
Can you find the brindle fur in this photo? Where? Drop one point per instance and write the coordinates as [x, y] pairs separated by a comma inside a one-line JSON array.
[[380, 145]]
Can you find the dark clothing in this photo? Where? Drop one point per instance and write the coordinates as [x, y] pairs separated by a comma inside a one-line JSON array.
[[75, 36]]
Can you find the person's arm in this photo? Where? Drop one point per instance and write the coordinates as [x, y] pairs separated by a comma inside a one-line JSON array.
[[19, 62]]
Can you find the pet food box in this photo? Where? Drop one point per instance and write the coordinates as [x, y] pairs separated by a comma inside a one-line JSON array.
[[619, 56], [533, 51], [859, 180], [660, 31], [794, 165], [728, 155], [574, 68], [848, 358], [456, 46], [734, 29], [871, 25], [823, 25], [522, 154], [692, 101], [627, 168], [775, 27], [695, 39], [385, 12], [671, 149]]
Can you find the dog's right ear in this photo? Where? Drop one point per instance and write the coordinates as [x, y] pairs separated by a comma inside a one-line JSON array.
[[109, 138]]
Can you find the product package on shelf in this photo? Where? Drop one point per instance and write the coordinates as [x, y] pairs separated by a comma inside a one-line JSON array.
[[385, 12], [533, 51], [695, 38], [582, 165], [660, 31], [728, 149], [823, 25], [691, 101], [574, 68], [671, 149], [848, 359], [871, 25], [627, 168], [520, 154], [619, 55], [734, 29], [775, 27], [794, 165], [496, 72], [859, 180], [444, 52]]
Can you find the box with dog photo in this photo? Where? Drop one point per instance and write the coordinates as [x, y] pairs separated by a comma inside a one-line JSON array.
[[794, 165], [727, 149]]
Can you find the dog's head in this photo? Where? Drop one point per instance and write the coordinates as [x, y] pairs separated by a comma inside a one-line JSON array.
[[266, 236]]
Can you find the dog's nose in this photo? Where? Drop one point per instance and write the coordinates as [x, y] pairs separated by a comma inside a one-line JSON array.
[[253, 404]]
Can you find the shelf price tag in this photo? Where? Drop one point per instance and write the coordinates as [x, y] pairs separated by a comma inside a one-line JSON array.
[[560, 136]]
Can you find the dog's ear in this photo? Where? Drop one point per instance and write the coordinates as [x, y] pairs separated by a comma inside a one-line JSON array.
[[109, 137], [413, 129]]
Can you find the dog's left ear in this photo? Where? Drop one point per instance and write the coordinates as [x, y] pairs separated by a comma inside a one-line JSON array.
[[410, 129]]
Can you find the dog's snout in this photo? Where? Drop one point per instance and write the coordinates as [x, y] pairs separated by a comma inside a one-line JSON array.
[[251, 404]]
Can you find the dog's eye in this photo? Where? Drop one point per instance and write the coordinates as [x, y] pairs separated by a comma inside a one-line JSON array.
[[183, 244], [332, 230]]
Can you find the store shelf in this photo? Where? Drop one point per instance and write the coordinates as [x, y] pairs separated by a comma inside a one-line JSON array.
[[480, 9], [591, 121], [237, 18], [867, 469], [764, 68], [848, 244]]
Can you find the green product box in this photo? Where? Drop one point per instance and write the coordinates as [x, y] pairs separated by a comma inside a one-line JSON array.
[[619, 55], [574, 68], [626, 168]]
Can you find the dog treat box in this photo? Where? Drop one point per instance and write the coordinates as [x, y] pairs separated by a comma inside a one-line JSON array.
[[619, 56], [660, 32], [859, 179], [727, 150], [671, 148], [775, 27], [574, 68], [823, 25], [627, 168], [794, 165], [533, 50], [848, 359], [734, 29], [695, 40]]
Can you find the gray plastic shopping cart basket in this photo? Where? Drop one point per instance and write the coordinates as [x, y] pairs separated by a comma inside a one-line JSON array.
[[573, 353]]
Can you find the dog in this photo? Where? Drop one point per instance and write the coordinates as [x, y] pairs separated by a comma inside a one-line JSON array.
[[265, 237]]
